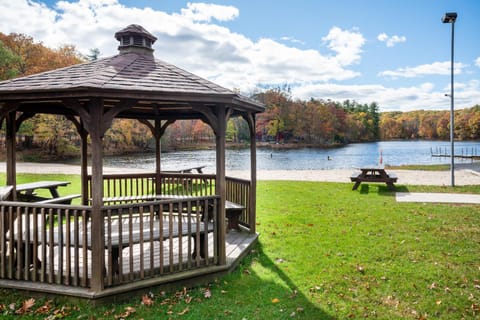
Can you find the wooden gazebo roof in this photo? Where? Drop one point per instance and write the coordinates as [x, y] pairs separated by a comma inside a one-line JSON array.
[[157, 86]]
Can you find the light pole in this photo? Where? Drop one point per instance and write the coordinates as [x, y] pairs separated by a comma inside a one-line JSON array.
[[451, 17]]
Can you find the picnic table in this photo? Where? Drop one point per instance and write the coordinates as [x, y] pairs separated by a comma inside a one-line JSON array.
[[373, 174], [27, 192], [199, 169]]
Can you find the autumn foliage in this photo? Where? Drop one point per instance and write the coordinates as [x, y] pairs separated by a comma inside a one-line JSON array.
[[314, 122]]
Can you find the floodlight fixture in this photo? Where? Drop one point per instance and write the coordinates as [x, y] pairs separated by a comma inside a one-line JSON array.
[[449, 17]]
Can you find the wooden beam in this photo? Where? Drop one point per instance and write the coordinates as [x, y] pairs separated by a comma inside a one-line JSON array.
[[23, 116], [83, 156], [11, 164], [250, 118], [220, 183], [98, 236], [108, 117], [210, 117]]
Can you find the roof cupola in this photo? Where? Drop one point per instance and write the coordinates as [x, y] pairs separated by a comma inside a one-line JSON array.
[[136, 39]]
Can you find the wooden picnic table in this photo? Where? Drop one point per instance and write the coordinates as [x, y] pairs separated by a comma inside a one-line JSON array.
[[373, 174], [199, 169], [27, 192]]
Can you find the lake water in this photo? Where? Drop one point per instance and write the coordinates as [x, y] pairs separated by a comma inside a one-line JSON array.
[[351, 156]]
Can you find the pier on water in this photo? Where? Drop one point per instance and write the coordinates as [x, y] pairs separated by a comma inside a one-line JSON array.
[[463, 153]]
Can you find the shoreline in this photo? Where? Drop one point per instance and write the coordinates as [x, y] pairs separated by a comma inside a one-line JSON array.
[[464, 175]]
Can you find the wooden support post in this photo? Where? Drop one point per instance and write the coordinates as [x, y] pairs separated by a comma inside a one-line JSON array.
[[11, 133], [158, 151], [98, 230], [84, 166], [220, 184], [253, 176]]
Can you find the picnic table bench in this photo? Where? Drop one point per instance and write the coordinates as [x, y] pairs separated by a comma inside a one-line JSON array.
[[373, 175], [27, 192], [199, 169]]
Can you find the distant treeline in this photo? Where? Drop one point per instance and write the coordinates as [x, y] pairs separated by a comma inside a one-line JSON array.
[[321, 122], [285, 120]]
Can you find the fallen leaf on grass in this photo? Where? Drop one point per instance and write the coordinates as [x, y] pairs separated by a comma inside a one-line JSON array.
[[207, 294], [360, 269], [275, 300], [184, 311], [127, 313], [45, 309], [26, 306], [147, 301]]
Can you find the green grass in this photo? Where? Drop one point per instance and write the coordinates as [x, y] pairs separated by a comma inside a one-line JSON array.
[[326, 252], [432, 167]]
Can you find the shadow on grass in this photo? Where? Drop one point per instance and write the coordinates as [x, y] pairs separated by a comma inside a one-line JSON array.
[[383, 190], [292, 302]]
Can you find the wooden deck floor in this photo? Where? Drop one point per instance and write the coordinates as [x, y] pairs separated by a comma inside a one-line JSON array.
[[152, 259]]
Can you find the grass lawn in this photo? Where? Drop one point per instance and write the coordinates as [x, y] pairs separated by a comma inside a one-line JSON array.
[[325, 252]]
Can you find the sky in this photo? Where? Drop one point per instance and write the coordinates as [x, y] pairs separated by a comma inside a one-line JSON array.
[[394, 53]]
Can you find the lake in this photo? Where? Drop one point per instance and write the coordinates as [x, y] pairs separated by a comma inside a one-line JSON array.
[[350, 156]]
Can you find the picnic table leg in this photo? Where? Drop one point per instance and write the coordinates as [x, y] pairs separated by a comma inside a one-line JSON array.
[[202, 246], [391, 186], [355, 186]]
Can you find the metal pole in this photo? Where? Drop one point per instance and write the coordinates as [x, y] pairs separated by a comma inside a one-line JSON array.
[[452, 114]]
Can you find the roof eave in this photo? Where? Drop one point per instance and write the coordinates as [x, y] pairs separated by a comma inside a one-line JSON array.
[[154, 96]]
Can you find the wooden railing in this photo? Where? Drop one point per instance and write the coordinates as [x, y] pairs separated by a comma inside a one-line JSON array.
[[144, 238], [136, 186], [52, 244], [150, 239], [238, 191], [44, 243]]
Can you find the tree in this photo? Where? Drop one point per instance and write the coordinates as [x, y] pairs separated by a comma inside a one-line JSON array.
[[93, 55], [8, 62]]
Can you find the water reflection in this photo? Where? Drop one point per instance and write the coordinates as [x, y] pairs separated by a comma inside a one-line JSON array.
[[347, 157]]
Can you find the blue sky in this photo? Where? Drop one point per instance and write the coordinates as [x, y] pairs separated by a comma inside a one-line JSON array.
[[396, 53]]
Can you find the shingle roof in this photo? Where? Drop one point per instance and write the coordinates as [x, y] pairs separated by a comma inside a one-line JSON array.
[[128, 71]]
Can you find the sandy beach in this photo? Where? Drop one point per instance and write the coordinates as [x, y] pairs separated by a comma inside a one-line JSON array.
[[464, 174]]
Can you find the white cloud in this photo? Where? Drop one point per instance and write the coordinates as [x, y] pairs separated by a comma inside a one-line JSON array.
[[347, 45], [382, 37], [391, 41], [189, 40], [436, 68], [477, 62], [207, 11]]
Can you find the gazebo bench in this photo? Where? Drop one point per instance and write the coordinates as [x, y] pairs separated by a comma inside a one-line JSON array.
[[134, 230], [5, 192]]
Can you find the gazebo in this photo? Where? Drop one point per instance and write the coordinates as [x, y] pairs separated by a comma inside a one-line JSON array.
[[131, 231]]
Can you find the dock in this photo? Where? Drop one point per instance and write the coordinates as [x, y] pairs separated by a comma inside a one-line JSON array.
[[461, 153]]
